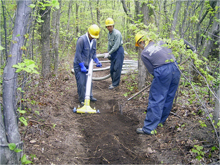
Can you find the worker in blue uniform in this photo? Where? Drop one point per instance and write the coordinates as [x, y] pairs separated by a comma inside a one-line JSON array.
[[162, 64], [115, 52], [85, 51]]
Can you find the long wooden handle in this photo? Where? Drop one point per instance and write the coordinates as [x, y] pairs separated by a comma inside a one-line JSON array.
[[139, 92]]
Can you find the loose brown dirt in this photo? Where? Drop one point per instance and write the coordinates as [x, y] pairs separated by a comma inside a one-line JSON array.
[[56, 135]]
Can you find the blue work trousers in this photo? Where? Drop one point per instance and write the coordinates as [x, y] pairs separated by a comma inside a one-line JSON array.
[[81, 79], [162, 92], [117, 59]]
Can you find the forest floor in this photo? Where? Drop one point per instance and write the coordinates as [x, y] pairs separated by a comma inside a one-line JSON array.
[[56, 135]]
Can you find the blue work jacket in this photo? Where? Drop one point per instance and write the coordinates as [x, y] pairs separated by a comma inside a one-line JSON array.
[[83, 52]]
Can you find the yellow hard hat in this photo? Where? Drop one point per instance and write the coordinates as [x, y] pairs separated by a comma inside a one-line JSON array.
[[94, 31], [109, 22], [140, 37]]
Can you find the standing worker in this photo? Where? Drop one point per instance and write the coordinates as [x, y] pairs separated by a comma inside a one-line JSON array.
[[161, 63], [115, 52], [85, 51]]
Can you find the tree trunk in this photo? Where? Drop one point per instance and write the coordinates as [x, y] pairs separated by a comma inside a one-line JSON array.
[[56, 44], [98, 21], [90, 6], [142, 72], [1, 52], [173, 27], [165, 16], [69, 14], [215, 25], [98, 12], [45, 41], [184, 19], [198, 29], [77, 19], [145, 12], [53, 33], [137, 9], [5, 29], [217, 102], [11, 131], [127, 11]]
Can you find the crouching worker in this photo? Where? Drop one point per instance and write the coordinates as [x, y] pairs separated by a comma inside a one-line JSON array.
[[85, 51], [161, 63]]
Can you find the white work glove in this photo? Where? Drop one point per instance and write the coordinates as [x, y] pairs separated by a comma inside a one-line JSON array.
[[106, 55]]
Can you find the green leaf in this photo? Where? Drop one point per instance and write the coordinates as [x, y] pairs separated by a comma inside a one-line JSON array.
[[39, 20], [55, 4], [23, 159], [21, 111], [1, 48], [36, 72], [12, 146], [37, 112], [27, 162], [18, 70], [214, 148], [17, 150], [19, 89], [23, 120], [32, 6], [195, 151], [199, 148], [199, 157]]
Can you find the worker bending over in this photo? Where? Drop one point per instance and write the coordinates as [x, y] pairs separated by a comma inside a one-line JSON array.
[[162, 64]]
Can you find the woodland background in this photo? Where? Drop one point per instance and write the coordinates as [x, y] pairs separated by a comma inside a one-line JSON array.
[[36, 37]]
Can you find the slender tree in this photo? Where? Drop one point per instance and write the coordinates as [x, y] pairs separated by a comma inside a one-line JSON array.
[[5, 29], [56, 43], [77, 18], [45, 41], [98, 14], [9, 132], [215, 27], [127, 11], [178, 6], [145, 12]]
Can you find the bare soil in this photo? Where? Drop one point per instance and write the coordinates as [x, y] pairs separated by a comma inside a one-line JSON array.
[[56, 135]]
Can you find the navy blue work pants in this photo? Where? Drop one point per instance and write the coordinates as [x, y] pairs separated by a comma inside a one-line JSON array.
[[117, 59], [162, 92], [81, 79]]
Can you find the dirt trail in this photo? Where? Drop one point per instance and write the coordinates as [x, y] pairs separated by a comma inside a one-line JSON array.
[[56, 135]]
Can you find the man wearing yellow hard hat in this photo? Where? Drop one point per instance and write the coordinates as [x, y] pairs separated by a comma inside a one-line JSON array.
[[85, 51], [161, 63], [115, 52]]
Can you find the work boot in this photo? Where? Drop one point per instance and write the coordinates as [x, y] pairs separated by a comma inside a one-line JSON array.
[[111, 87], [140, 131], [93, 99]]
